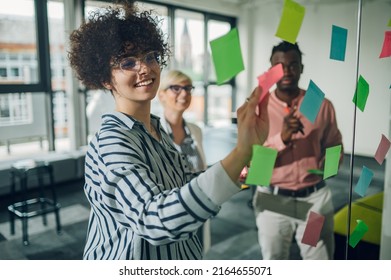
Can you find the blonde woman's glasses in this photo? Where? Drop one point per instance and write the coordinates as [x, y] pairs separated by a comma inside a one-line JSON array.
[[177, 89]]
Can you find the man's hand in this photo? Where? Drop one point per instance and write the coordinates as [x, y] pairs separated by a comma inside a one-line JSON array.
[[291, 125]]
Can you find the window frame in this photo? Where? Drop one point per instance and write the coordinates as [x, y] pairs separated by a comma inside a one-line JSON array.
[[43, 55]]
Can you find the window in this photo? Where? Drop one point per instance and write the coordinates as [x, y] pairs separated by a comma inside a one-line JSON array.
[[3, 72], [18, 42], [15, 109]]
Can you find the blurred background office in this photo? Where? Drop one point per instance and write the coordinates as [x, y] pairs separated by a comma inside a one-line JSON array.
[[46, 114]]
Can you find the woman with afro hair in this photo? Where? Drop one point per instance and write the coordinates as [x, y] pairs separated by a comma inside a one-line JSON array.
[[145, 202]]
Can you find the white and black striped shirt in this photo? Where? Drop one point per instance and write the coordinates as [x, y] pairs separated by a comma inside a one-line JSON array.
[[143, 205]]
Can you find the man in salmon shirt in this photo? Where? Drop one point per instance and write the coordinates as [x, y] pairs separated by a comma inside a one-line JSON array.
[[282, 208]]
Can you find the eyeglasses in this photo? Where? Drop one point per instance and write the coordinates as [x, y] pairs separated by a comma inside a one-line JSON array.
[[177, 89], [132, 63]]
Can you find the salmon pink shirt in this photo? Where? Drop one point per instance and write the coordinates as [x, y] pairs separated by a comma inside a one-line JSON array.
[[303, 152]]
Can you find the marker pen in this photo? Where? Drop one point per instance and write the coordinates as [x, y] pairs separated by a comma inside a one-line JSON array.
[[287, 110]]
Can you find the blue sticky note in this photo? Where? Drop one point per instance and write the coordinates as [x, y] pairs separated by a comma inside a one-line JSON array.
[[364, 181], [312, 101], [339, 37]]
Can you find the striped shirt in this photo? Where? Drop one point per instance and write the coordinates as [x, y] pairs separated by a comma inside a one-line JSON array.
[[144, 202]]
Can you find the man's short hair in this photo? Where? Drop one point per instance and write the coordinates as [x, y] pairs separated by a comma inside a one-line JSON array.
[[284, 46]]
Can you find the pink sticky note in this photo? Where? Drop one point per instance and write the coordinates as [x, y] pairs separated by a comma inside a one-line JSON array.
[[386, 50], [382, 149], [313, 229], [269, 78]]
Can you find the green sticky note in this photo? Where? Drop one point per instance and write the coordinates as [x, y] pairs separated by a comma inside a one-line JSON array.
[[315, 171], [290, 22], [262, 165], [331, 163], [358, 233], [361, 95], [389, 22], [227, 56]]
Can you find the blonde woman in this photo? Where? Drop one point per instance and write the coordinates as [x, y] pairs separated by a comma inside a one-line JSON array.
[[175, 93]]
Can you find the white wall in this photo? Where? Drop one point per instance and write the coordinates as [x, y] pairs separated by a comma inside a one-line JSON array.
[[336, 79]]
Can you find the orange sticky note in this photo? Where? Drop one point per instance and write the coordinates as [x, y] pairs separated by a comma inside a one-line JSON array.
[[313, 229]]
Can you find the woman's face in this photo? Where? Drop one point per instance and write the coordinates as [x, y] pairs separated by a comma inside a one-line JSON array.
[[136, 79], [178, 96]]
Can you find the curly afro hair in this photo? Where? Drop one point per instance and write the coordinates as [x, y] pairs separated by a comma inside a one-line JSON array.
[[108, 35]]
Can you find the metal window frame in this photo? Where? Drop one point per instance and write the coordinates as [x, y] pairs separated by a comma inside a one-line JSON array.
[[44, 83]]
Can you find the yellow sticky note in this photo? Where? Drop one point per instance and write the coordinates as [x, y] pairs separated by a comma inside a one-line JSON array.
[[290, 22]]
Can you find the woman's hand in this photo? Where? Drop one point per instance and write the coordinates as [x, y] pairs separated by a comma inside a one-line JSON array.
[[253, 128], [253, 123]]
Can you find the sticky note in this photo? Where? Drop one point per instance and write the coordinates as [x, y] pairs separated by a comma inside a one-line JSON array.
[[315, 171], [290, 22], [364, 181], [389, 23], [312, 101], [227, 56], [386, 49], [361, 94], [382, 149], [331, 163], [339, 37], [262, 165], [313, 229], [269, 78], [358, 233]]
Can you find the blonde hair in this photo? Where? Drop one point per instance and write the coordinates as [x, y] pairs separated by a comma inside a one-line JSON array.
[[173, 77]]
